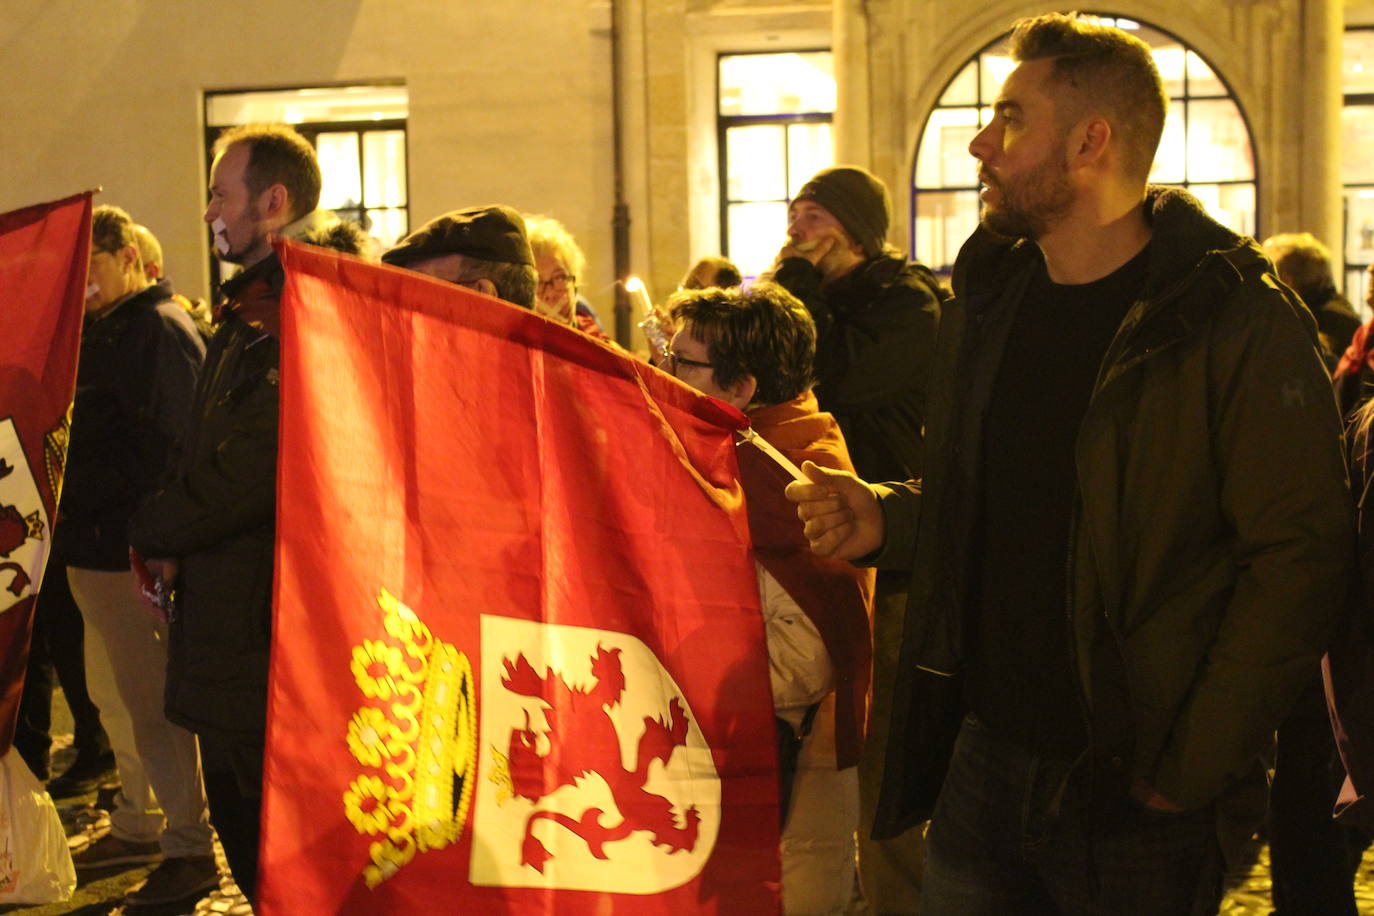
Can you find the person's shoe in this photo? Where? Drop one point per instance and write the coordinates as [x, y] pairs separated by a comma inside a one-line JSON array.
[[83, 776], [111, 850], [180, 878]]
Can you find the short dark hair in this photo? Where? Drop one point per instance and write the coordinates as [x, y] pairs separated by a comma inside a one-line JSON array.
[[111, 229], [1304, 263], [723, 273], [277, 154], [1106, 71], [763, 331], [515, 283]]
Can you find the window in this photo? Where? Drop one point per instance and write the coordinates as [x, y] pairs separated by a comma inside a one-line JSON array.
[[1206, 145], [1357, 170], [359, 133], [773, 117]]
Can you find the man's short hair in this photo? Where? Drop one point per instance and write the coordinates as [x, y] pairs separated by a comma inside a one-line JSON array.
[[719, 272], [277, 155], [149, 250], [515, 283], [1105, 71], [111, 229], [762, 331], [548, 236], [1304, 263]]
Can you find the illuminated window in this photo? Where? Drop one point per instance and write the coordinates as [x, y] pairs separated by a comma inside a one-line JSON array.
[[1357, 167], [1206, 146], [774, 113], [359, 133]]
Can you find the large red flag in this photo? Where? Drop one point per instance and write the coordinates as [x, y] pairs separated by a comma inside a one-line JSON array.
[[518, 661], [44, 252]]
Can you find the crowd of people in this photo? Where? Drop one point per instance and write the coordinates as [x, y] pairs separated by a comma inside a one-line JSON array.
[[1079, 535]]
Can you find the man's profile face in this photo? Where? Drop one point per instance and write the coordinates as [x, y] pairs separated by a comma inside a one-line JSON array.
[[231, 202], [1022, 157], [109, 276]]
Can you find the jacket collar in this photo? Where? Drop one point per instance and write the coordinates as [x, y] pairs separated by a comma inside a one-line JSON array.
[[1194, 260]]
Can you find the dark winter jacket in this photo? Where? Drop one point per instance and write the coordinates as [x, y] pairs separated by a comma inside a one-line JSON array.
[[875, 335], [217, 518], [1211, 540], [135, 382]]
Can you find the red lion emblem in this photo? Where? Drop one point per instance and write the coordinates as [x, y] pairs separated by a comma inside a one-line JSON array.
[[584, 740]]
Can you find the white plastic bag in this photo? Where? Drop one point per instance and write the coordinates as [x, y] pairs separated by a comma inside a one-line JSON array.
[[35, 864]]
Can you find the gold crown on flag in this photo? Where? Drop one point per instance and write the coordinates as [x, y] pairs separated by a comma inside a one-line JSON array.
[[417, 737], [55, 452]]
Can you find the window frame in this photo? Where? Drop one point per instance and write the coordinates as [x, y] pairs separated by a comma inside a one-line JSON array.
[[1183, 99], [784, 120]]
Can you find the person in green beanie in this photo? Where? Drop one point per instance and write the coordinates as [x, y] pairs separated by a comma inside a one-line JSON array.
[[876, 319]]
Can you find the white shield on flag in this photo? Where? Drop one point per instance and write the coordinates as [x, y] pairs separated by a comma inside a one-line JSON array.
[[24, 530], [610, 787]]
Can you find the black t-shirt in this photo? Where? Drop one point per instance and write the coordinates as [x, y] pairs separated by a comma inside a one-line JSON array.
[[1022, 678]]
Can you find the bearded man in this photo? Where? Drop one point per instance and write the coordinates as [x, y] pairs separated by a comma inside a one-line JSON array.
[[1116, 569]]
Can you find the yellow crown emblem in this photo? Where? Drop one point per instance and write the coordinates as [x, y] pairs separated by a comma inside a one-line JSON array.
[[417, 737]]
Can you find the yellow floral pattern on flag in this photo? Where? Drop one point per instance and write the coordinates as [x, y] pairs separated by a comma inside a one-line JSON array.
[[417, 736]]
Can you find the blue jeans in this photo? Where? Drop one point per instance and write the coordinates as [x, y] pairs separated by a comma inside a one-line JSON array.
[[1011, 834]]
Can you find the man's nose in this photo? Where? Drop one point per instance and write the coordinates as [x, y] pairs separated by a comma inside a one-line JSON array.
[[981, 144]]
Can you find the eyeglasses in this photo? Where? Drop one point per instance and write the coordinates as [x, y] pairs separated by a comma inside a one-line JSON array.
[[674, 361], [559, 281]]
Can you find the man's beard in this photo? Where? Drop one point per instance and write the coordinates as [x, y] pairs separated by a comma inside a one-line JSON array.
[[1029, 204], [237, 255]]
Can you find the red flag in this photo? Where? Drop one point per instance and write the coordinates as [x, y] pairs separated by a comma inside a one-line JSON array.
[[44, 252], [518, 659]]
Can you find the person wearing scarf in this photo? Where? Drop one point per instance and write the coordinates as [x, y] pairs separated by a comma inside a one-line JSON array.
[[754, 349]]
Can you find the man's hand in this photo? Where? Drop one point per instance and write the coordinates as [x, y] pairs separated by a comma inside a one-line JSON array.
[[840, 513], [164, 571], [1145, 793], [813, 249]]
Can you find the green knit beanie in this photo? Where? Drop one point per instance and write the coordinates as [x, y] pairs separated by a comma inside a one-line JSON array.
[[855, 197]]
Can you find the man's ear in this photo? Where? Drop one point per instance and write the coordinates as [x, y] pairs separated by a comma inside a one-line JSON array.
[[1089, 141], [129, 259], [276, 203], [484, 285], [741, 394]]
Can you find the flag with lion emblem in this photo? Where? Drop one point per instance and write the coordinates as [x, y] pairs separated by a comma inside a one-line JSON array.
[[518, 661], [44, 250]]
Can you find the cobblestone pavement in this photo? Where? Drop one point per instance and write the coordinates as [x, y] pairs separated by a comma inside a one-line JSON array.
[[100, 892]]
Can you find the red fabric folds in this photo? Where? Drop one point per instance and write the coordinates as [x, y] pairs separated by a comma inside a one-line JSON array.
[[518, 663], [44, 251]]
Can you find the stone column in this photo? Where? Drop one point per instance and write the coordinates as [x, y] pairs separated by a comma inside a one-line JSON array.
[[852, 127], [1320, 210]]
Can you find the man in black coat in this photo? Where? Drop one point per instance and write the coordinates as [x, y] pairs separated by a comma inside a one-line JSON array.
[[140, 358], [876, 321], [210, 532]]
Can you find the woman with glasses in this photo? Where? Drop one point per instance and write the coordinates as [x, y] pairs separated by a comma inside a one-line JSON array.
[[560, 263]]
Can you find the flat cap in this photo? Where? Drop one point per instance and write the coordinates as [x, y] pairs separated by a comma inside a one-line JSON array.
[[494, 233]]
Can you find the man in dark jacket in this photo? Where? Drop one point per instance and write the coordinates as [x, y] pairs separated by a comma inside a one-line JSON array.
[[140, 358], [876, 321], [876, 317], [211, 529], [1110, 547]]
